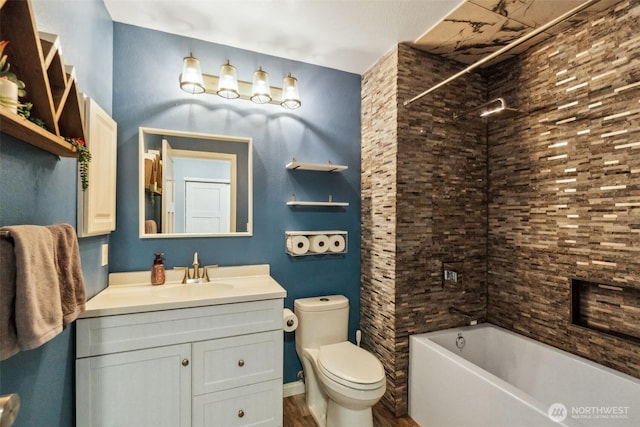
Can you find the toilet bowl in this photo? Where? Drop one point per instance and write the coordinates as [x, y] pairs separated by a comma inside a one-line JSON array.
[[342, 380]]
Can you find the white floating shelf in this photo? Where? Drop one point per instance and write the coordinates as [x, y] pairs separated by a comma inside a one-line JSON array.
[[300, 203], [327, 167], [312, 233]]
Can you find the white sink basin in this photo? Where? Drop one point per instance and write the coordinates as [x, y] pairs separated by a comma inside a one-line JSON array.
[[196, 291], [133, 293]]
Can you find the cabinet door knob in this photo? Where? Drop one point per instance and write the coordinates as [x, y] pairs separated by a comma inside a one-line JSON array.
[[240, 413], [185, 362], [241, 363]]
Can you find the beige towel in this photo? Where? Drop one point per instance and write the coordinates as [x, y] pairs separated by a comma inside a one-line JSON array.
[[150, 227], [8, 336], [38, 312], [70, 280]]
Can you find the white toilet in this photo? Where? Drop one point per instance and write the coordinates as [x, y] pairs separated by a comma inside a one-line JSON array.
[[342, 381]]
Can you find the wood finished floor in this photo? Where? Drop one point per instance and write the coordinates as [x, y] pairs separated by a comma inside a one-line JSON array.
[[296, 414]]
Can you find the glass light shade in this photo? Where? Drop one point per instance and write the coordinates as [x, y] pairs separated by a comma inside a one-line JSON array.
[[260, 91], [228, 82], [290, 94], [191, 77]]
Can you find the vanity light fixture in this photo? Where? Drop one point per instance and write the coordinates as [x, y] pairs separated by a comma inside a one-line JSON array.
[[228, 82], [227, 85], [290, 94], [191, 77], [260, 91]]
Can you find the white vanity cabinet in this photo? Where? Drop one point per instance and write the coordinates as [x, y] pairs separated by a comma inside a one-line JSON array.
[[218, 365], [135, 388]]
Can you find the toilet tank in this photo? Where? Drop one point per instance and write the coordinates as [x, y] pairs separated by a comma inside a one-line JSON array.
[[321, 320]]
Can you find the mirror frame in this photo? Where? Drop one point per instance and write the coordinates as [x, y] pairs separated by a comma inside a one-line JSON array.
[[141, 190]]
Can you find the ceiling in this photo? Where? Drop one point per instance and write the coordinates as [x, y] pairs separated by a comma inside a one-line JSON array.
[[480, 27], [348, 35]]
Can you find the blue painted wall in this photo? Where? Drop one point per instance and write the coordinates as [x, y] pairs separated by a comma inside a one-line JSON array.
[[38, 188], [327, 127]]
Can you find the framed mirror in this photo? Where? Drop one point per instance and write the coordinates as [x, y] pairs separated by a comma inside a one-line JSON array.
[[194, 185]]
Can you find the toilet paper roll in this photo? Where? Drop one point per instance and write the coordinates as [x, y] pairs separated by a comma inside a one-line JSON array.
[[9, 408], [337, 243], [289, 320], [319, 243], [298, 245]]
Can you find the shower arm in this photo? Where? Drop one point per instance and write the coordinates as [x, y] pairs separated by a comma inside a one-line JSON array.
[[502, 106], [504, 49]]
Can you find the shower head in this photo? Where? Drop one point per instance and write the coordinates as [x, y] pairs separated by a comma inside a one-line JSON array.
[[495, 107], [502, 113], [499, 109]]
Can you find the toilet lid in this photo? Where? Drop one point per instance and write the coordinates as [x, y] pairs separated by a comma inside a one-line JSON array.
[[350, 365]]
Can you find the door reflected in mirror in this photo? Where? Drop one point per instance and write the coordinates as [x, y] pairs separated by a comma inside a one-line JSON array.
[[194, 184]]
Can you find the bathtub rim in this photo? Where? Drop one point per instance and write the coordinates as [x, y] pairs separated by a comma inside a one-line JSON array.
[[488, 325], [425, 340], [484, 375]]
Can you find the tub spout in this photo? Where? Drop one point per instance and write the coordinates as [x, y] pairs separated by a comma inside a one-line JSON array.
[[471, 320]]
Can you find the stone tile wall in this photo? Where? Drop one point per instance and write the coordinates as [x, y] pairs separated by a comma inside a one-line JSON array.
[[556, 194], [564, 195], [423, 207], [378, 213]]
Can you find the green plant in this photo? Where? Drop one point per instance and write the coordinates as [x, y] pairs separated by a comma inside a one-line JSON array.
[[8, 75], [84, 158], [24, 110]]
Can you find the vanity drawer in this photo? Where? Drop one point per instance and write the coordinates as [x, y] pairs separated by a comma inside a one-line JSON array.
[[237, 361], [111, 334], [255, 405]]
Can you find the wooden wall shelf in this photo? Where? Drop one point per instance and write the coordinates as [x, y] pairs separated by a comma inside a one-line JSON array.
[[327, 167], [24, 130], [50, 85], [330, 202], [317, 204]]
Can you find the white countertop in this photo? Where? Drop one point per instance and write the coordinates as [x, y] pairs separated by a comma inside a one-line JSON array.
[[132, 292]]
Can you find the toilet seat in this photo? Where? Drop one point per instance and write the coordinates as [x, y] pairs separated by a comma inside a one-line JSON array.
[[351, 366]]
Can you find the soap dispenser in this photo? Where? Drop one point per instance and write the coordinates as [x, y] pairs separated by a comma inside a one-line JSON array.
[[157, 270]]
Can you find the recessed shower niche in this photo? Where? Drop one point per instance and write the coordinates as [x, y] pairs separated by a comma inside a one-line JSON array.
[[611, 309]]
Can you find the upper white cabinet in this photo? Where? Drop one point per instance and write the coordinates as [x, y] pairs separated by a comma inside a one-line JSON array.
[[97, 204]]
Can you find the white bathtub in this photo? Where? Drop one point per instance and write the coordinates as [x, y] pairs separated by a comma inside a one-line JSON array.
[[501, 378]]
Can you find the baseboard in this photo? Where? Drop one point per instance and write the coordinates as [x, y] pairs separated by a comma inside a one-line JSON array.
[[291, 389]]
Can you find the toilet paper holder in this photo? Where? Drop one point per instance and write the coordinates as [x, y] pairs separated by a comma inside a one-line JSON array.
[[336, 242]]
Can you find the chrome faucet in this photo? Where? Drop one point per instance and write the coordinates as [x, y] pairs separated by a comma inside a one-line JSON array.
[[471, 320]]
